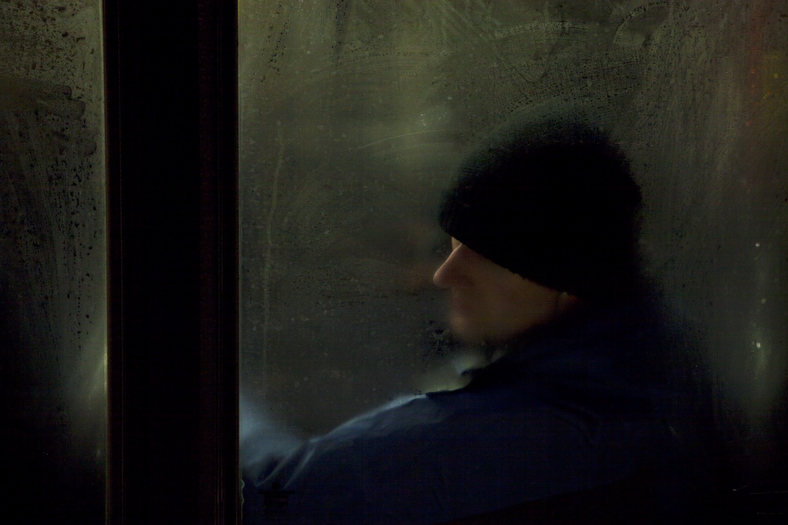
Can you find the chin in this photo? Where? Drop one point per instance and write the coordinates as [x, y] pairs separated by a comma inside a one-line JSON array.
[[475, 334], [466, 332]]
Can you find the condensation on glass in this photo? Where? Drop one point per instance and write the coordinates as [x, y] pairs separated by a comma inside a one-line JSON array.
[[354, 115], [52, 255]]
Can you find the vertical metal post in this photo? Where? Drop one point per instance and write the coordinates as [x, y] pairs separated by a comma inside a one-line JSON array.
[[171, 118]]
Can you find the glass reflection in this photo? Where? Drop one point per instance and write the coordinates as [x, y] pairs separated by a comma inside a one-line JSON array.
[[53, 256], [355, 116]]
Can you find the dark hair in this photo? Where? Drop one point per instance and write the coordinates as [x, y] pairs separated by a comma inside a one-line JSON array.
[[555, 202]]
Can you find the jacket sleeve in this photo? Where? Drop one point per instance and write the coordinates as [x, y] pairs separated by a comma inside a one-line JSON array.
[[263, 442], [437, 458]]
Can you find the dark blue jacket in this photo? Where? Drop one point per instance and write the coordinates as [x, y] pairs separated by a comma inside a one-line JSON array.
[[583, 403]]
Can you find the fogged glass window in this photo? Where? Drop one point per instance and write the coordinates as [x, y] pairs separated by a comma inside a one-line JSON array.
[[355, 114], [52, 255]]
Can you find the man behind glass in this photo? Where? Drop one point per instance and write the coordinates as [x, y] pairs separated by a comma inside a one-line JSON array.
[[580, 416]]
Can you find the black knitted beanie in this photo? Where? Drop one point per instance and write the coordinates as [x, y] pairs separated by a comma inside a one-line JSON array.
[[553, 201]]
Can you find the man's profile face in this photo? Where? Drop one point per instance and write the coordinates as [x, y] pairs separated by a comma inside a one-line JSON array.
[[490, 303]]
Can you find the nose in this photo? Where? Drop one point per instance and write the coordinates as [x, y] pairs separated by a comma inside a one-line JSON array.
[[451, 272]]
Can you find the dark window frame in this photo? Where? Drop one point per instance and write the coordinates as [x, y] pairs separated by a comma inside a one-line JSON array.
[[171, 121]]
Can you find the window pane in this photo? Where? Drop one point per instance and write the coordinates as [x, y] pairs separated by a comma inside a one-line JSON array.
[[52, 254], [354, 116]]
